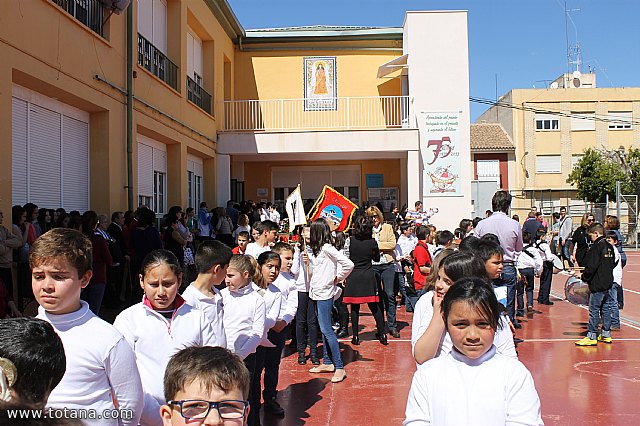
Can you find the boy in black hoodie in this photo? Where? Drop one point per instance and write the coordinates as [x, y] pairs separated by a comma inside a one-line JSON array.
[[598, 273]]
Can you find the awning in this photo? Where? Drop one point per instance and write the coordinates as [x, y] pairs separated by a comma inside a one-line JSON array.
[[393, 65]]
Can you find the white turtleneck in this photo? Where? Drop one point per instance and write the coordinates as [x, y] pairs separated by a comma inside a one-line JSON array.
[[101, 367], [244, 317], [212, 307], [456, 390], [272, 303]]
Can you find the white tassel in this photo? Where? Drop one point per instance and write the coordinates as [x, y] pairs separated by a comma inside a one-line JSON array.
[[8, 377]]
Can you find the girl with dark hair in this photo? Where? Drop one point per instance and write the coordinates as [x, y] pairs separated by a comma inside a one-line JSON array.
[[45, 220], [362, 286], [495, 388], [23, 230], [173, 240], [330, 266], [94, 292], [161, 325], [63, 221], [429, 338]]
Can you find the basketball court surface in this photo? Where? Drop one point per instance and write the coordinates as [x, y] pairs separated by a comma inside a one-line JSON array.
[[577, 385]]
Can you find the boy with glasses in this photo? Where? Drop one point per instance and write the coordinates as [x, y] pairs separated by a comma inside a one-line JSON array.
[[205, 386]]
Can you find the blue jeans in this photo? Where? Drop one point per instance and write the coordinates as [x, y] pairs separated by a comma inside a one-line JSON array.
[[329, 339], [412, 301], [509, 279], [599, 300], [386, 273], [613, 306], [401, 287]]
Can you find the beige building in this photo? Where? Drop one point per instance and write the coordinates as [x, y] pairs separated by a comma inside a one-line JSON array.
[[214, 112], [552, 127]]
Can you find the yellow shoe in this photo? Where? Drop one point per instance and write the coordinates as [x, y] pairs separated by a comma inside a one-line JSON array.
[[323, 368], [604, 339], [587, 342], [339, 375]]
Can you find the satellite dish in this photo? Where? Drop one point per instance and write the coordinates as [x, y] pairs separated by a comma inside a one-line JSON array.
[[117, 6], [554, 85], [576, 74]]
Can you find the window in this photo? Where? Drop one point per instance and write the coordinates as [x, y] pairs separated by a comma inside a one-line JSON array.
[[280, 195], [620, 120], [152, 22], [488, 169], [194, 181], [547, 164], [159, 192], [194, 57], [547, 122], [575, 159], [583, 121]]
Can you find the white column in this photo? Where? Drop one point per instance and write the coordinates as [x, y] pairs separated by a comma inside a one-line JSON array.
[[413, 177], [223, 179]]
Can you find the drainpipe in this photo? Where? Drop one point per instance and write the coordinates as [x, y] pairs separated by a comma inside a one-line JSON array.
[[130, 108]]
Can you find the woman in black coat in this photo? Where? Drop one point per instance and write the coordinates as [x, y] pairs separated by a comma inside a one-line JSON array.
[[361, 286]]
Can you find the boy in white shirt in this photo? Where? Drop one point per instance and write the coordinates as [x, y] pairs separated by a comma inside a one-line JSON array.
[[405, 244], [612, 238], [267, 232], [212, 260], [101, 369], [529, 264], [244, 316], [277, 335]]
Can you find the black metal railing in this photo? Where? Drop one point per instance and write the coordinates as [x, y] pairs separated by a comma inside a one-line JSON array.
[[199, 96], [89, 12], [156, 62]]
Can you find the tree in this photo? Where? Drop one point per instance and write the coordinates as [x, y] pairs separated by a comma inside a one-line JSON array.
[[597, 172]]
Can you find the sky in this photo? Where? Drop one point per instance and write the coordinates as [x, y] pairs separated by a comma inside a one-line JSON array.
[[522, 43]]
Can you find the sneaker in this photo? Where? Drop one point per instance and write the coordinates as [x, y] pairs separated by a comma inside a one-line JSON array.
[[272, 407], [315, 360], [323, 368], [603, 339], [585, 341], [339, 375], [302, 360]]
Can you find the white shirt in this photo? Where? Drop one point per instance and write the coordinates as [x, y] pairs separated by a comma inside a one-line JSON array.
[[244, 317], [154, 339], [301, 271], [545, 251], [253, 249], [212, 308], [239, 229], [456, 390], [617, 270], [407, 244], [422, 314], [526, 261], [287, 285], [274, 216], [100, 364], [272, 303], [329, 267]]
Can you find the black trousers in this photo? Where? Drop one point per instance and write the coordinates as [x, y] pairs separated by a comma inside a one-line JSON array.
[[306, 325], [545, 282]]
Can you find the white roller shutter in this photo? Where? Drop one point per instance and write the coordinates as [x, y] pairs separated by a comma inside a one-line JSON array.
[[145, 170], [583, 121], [548, 164], [145, 19], [313, 182], [19, 170], [159, 160], [345, 177], [488, 169], [75, 173], [160, 25], [44, 157]]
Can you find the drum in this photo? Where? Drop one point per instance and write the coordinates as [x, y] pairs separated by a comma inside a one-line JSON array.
[[576, 291], [558, 265]]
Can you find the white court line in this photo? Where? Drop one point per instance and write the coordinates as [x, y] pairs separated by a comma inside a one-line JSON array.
[[630, 291]]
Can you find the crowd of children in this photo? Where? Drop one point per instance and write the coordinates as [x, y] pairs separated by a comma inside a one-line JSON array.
[[212, 347]]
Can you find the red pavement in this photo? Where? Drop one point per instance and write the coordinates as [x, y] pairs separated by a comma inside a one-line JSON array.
[[577, 386]]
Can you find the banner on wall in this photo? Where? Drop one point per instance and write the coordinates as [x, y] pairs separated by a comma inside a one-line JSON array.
[[337, 209], [440, 148]]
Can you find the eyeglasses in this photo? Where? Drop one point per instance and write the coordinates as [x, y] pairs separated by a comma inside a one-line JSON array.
[[590, 220], [199, 409]]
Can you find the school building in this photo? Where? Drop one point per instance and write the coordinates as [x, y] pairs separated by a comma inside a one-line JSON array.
[[552, 127], [173, 102]]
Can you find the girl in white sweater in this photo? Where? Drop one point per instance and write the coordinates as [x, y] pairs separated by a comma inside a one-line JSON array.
[[161, 325], [472, 384], [329, 266], [244, 316]]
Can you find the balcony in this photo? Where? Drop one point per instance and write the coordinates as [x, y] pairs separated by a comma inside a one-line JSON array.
[[88, 12], [293, 115], [156, 62], [199, 96]]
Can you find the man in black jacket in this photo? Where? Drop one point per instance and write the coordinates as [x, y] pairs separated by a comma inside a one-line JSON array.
[[598, 273]]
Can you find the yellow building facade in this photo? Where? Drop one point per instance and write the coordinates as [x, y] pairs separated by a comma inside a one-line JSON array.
[[215, 112], [551, 128]]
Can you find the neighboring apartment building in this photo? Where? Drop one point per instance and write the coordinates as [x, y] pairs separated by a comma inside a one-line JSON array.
[[220, 112], [551, 128]]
